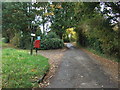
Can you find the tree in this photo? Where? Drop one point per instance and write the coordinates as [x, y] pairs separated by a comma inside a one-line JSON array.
[[17, 18], [41, 9], [62, 17]]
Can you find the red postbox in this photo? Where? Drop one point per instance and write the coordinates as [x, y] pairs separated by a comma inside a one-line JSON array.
[[37, 44]]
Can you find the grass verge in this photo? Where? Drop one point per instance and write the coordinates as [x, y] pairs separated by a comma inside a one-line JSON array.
[[103, 55], [20, 70], [97, 53]]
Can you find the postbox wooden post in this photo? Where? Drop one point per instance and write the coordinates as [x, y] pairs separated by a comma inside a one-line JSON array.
[[31, 50]]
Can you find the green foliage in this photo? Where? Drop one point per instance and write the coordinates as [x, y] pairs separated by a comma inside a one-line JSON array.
[[16, 40], [95, 44], [62, 18], [94, 27], [114, 9], [25, 42], [22, 42], [97, 33], [21, 70], [15, 18], [38, 32], [45, 8], [52, 35], [51, 43]]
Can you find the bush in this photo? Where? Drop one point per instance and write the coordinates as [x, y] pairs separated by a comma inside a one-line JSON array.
[[16, 40], [52, 35], [25, 42], [21, 42], [51, 43]]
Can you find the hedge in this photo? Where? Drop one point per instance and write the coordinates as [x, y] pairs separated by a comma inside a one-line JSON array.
[[51, 43]]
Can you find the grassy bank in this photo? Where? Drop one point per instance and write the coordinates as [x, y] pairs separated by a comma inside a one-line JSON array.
[[21, 70], [98, 53], [103, 55]]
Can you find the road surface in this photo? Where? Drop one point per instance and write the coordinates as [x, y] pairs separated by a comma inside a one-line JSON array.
[[78, 70]]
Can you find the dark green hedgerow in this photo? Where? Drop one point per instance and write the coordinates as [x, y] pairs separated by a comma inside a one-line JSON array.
[[51, 43]]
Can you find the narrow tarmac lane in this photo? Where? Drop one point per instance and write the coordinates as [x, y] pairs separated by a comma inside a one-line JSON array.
[[78, 70]]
